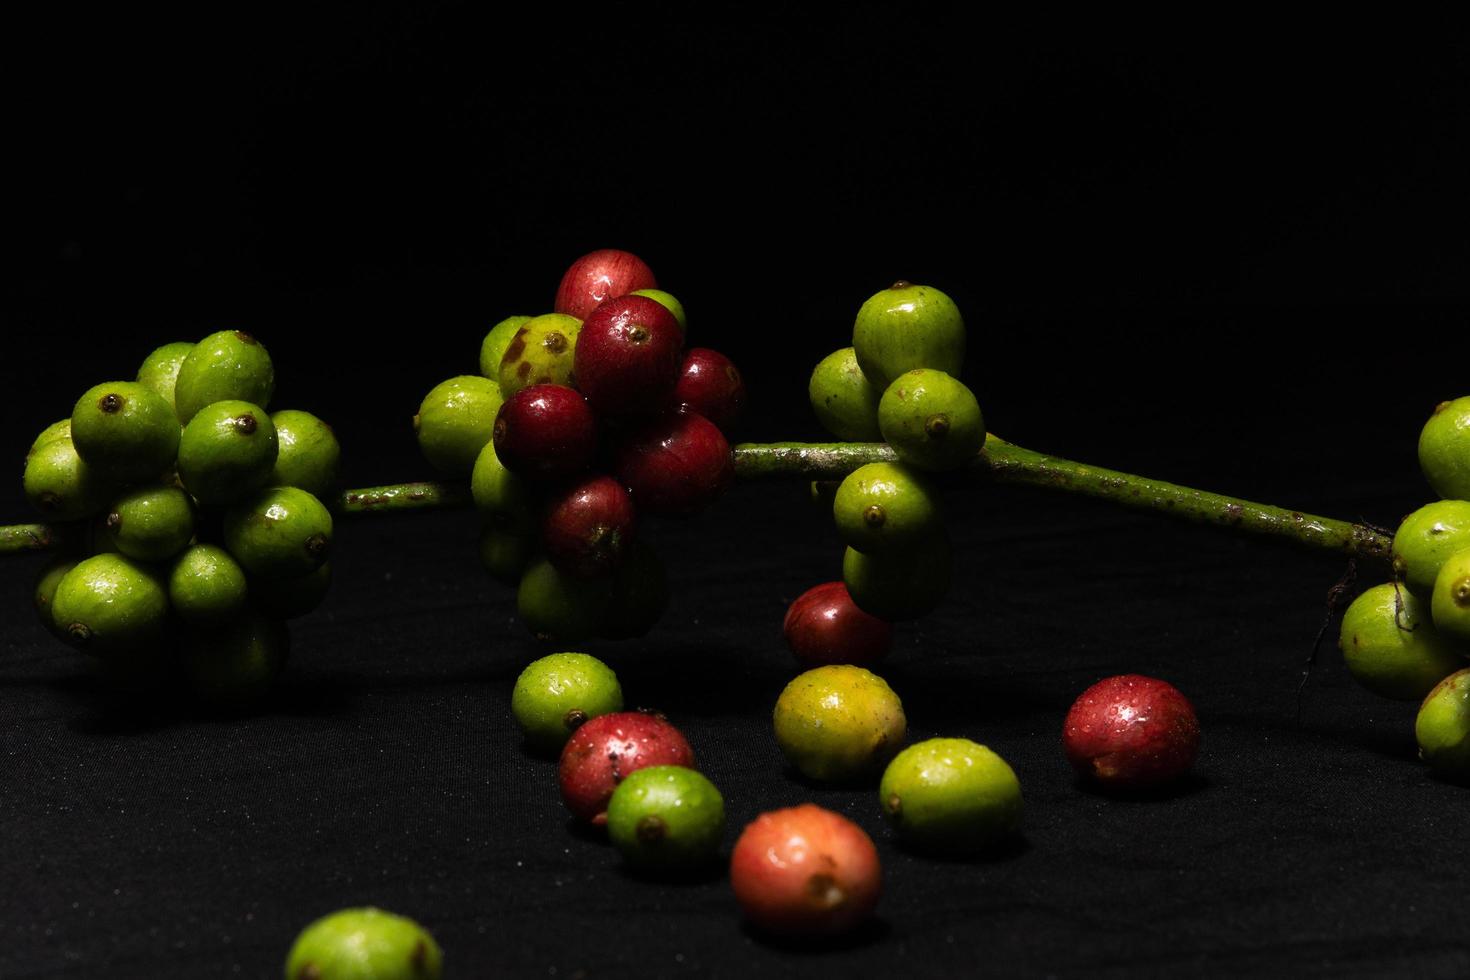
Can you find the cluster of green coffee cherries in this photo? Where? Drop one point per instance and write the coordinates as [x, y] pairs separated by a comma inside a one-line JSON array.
[[898, 383], [1409, 639], [193, 518]]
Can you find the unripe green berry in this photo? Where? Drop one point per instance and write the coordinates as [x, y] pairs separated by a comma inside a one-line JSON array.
[[455, 421], [500, 495], [281, 532], [60, 485], [364, 944], [227, 452], [1444, 449], [160, 370], [540, 353], [666, 820], [238, 662], [1426, 538], [558, 693], [206, 586], [505, 553], [555, 605], [931, 420], [668, 302], [951, 796], [845, 402], [885, 507], [1390, 646], [110, 606], [287, 598], [1442, 727], [125, 431], [229, 365], [906, 327], [900, 585], [307, 454], [492, 348], [151, 523]]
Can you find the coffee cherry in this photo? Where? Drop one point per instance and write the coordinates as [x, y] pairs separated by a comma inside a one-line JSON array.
[[884, 508], [906, 327], [556, 695], [500, 495], [308, 453], [902, 585], [206, 586], [1426, 538], [364, 944], [151, 523], [1450, 601], [52, 433], [556, 605], [226, 366], [546, 432], [1444, 449], [666, 819], [805, 871], [280, 532], [599, 276], [608, 749], [124, 431], [110, 606], [60, 485], [931, 420], [845, 402], [540, 353], [951, 796], [710, 385], [1442, 727], [227, 452], [236, 663], [1391, 648], [628, 356], [44, 593], [674, 465], [668, 302], [505, 553], [492, 348], [589, 526], [455, 421], [824, 626], [839, 723], [160, 370], [1131, 731]]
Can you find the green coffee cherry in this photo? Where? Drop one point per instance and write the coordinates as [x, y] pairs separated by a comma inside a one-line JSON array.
[[60, 485], [307, 453], [455, 421], [640, 595], [554, 605], [125, 431], [44, 593], [839, 723], [1390, 646], [364, 944], [666, 819], [931, 420], [206, 586], [227, 452], [951, 796], [1444, 449], [281, 532], [555, 695], [906, 327], [288, 598], [151, 523], [229, 365], [668, 302], [236, 663], [50, 434], [845, 401], [1442, 727], [902, 585], [505, 554], [823, 493], [492, 348], [1449, 603], [540, 353], [885, 507], [501, 495], [109, 606], [160, 370], [1426, 538]]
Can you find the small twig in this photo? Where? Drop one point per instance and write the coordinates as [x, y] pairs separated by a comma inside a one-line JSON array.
[[1334, 599]]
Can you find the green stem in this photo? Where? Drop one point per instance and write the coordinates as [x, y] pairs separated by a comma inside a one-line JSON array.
[[1000, 461]]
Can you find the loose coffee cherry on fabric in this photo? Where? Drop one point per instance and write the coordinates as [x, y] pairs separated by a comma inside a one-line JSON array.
[[606, 750], [805, 871], [1131, 731]]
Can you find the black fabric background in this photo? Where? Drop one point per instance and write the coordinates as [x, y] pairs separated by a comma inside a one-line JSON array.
[[1230, 257]]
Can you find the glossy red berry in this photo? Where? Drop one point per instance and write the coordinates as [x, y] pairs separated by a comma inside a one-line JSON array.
[[824, 626], [588, 527], [545, 432], [676, 464], [598, 276], [628, 357], [805, 870], [710, 384], [604, 750], [1131, 731]]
